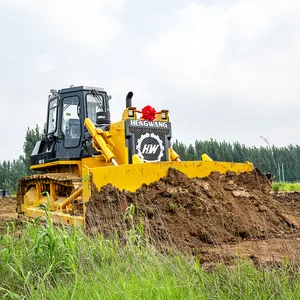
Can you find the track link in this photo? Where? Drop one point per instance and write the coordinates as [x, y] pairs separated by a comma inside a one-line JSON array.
[[58, 185]]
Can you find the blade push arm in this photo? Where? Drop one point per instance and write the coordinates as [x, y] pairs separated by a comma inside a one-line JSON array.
[[98, 141]]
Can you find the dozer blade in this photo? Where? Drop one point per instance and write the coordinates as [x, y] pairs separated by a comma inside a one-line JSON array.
[[132, 177]]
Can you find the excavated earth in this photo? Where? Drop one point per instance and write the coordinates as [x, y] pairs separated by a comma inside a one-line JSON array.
[[7, 209], [218, 219]]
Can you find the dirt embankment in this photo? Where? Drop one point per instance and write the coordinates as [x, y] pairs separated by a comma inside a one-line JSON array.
[[200, 216], [218, 218], [7, 209]]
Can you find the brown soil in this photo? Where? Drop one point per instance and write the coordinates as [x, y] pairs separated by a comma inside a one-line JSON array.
[[274, 251], [216, 218], [7, 209]]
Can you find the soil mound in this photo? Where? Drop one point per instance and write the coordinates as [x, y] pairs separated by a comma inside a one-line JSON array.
[[185, 214], [7, 209]]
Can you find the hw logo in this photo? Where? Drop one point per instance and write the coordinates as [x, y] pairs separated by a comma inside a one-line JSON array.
[[150, 147]]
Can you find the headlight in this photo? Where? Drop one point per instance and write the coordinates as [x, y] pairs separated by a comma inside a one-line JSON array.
[[130, 113]]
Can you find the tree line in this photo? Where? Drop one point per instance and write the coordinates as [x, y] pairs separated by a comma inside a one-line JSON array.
[[12, 171], [284, 162]]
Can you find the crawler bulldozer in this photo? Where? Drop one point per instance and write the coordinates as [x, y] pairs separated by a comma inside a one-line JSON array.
[[81, 147]]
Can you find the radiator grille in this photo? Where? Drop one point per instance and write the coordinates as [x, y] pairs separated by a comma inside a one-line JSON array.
[[151, 144]]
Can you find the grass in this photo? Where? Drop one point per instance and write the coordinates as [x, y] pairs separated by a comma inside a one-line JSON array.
[[51, 262], [286, 186]]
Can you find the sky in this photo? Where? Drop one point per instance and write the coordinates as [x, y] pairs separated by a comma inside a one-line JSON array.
[[226, 70]]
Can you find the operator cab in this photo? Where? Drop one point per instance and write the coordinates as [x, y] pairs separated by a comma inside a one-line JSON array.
[[65, 133]]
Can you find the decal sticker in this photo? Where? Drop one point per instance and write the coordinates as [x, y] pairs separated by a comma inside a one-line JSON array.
[[145, 123], [150, 147]]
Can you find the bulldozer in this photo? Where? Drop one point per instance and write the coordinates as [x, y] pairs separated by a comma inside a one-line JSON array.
[[81, 147]]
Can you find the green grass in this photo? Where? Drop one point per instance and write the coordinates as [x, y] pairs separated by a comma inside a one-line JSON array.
[[286, 186], [50, 262]]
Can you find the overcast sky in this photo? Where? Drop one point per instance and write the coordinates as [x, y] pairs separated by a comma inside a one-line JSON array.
[[227, 70]]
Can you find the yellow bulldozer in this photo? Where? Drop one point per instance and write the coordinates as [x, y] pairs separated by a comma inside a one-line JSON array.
[[81, 147]]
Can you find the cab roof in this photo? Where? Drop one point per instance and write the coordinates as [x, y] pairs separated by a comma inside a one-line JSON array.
[[80, 88]]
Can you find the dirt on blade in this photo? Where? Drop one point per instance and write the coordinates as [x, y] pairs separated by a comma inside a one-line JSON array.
[[198, 216]]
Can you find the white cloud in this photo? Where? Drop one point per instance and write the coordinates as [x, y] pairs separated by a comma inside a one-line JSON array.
[[206, 47], [81, 23], [230, 67], [228, 71], [46, 63], [191, 46]]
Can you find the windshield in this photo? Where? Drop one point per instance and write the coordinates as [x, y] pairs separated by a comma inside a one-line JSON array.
[[95, 103]]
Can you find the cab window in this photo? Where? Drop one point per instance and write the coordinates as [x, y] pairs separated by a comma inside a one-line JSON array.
[[71, 125], [94, 103], [52, 116]]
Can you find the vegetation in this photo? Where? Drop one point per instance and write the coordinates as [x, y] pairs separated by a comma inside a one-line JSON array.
[[283, 161], [286, 186], [32, 136], [12, 171], [47, 262]]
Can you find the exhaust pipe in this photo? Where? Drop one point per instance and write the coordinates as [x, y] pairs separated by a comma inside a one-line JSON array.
[[129, 99]]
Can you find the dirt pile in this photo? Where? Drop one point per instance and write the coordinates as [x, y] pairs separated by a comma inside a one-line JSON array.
[[7, 209], [219, 218], [185, 214]]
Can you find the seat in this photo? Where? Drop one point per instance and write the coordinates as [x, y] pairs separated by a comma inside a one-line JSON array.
[[73, 133]]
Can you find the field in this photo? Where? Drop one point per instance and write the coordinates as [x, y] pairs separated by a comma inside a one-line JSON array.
[[286, 186], [222, 237], [56, 263]]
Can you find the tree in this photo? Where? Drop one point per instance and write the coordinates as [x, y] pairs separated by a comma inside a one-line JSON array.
[[32, 136], [12, 171], [180, 149]]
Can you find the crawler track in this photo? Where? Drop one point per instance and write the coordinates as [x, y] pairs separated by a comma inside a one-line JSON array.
[[63, 185]]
